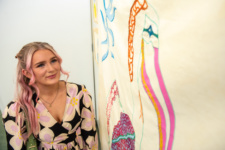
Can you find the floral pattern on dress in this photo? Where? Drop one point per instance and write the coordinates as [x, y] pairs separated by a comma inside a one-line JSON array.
[[73, 106], [5, 112], [13, 129], [89, 121], [86, 98], [76, 131], [93, 142], [49, 140], [43, 117]]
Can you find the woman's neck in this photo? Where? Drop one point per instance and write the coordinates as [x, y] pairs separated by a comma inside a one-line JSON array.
[[48, 91]]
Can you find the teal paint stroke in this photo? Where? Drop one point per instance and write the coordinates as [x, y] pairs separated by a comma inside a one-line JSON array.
[[124, 137]]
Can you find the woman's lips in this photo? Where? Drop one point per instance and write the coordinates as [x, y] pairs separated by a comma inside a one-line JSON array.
[[51, 76]]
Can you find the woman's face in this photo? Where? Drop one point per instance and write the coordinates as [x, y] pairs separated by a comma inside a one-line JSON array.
[[46, 67]]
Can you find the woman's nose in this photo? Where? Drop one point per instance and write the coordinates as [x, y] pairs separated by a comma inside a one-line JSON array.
[[50, 67]]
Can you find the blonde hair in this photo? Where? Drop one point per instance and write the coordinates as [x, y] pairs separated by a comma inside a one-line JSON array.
[[25, 87]]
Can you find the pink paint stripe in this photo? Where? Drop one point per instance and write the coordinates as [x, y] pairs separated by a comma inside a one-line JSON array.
[[112, 97], [167, 100], [162, 116]]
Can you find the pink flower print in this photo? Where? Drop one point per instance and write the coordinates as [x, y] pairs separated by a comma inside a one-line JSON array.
[[87, 98], [48, 141], [92, 142], [43, 116], [67, 100], [89, 119], [46, 135], [72, 108], [78, 135], [12, 109], [79, 138], [72, 91], [64, 146], [75, 127], [74, 102], [70, 145], [67, 125], [58, 139], [40, 108], [13, 129]]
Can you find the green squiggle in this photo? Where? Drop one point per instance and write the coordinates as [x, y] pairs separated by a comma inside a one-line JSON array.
[[128, 135]]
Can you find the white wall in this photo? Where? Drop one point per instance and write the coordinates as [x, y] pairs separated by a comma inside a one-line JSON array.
[[65, 24]]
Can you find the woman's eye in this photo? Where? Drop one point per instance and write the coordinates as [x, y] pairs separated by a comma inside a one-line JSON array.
[[54, 60], [40, 65]]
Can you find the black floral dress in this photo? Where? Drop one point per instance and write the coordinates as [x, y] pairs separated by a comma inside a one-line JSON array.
[[76, 131]]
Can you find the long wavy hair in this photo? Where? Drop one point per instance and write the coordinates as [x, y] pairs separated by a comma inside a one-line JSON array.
[[25, 87]]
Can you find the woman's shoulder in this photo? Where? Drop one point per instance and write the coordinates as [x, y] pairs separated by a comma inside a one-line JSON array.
[[76, 88], [10, 109], [79, 87]]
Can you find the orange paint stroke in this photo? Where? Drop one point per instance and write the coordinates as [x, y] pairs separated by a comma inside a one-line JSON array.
[[135, 9], [141, 116]]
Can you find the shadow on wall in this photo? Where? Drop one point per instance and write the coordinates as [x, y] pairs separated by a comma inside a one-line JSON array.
[[3, 144]]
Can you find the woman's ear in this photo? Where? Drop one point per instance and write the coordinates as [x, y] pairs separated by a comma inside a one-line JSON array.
[[26, 73]]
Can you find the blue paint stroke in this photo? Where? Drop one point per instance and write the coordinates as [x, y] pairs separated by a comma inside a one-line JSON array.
[[105, 55], [122, 137], [110, 15], [150, 32]]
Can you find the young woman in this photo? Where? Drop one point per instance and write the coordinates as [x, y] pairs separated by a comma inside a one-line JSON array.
[[59, 114]]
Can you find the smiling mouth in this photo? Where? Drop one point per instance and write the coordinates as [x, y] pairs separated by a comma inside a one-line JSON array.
[[52, 76]]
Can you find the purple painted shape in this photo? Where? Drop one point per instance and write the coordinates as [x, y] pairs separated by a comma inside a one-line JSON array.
[[122, 128]]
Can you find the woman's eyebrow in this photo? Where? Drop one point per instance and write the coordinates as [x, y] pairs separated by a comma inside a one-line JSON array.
[[41, 62], [53, 57]]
